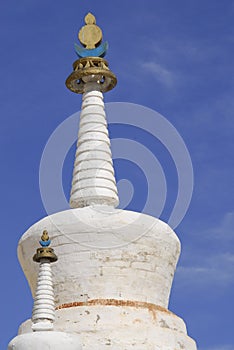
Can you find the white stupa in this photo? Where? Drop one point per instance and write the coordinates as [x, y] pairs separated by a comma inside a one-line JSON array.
[[114, 274]]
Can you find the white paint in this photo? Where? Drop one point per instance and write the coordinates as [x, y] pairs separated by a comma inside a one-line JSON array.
[[111, 327], [43, 308], [106, 253], [46, 341], [93, 176]]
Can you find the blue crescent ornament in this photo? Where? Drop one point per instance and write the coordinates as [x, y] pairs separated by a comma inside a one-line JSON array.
[[99, 51], [45, 243]]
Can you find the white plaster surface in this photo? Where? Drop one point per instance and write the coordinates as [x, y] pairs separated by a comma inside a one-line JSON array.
[[105, 253], [48, 340], [44, 308], [112, 327], [110, 255], [93, 176]]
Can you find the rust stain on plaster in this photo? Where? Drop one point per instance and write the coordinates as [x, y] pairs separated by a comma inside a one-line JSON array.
[[152, 308], [137, 320]]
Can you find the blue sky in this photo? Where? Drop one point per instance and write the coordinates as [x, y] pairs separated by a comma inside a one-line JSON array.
[[175, 57]]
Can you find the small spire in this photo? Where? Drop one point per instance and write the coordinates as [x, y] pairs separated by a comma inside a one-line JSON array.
[[44, 310], [44, 306]]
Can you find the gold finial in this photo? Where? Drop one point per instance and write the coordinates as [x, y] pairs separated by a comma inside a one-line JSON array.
[[90, 35], [45, 252], [45, 236], [91, 66]]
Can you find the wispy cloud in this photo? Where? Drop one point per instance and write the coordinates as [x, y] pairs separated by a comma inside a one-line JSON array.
[[206, 268], [214, 270], [171, 50], [224, 231], [160, 73]]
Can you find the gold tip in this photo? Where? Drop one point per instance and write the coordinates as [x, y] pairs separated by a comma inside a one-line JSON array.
[[90, 18], [45, 236]]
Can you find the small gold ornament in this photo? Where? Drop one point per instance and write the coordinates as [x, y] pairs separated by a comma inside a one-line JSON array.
[[45, 236], [45, 252]]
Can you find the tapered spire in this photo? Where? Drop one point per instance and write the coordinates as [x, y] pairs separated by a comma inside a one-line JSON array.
[[44, 308], [93, 176]]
